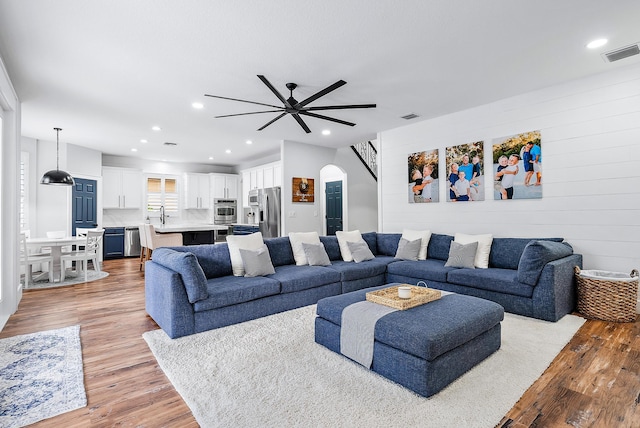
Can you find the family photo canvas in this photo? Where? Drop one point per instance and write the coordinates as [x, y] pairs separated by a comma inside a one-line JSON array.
[[517, 166], [465, 172], [423, 177]]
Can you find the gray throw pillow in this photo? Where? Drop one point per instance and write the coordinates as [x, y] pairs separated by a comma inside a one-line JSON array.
[[360, 251], [257, 262], [408, 250], [462, 255], [316, 254]]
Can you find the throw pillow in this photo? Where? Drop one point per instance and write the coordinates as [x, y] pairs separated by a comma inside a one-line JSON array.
[[297, 239], [316, 254], [360, 251], [423, 235], [257, 262], [536, 255], [408, 250], [343, 238], [246, 242], [484, 247], [462, 255], [186, 264]]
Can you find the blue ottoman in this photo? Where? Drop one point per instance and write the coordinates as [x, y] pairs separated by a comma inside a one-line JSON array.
[[423, 348]]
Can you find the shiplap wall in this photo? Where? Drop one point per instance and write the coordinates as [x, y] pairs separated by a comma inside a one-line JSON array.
[[591, 169]]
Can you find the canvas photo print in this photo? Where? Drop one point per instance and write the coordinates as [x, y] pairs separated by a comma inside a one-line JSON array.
[[465, 172], [423, 177], [517, 166]]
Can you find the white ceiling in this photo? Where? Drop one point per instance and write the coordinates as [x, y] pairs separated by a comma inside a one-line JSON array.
[[106, 71]]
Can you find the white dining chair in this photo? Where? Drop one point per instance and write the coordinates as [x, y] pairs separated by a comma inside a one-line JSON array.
[[157, 240], [83, 255], [34, 251], [28, 260]]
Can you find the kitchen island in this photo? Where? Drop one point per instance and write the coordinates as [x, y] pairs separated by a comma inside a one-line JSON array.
[[197, 233]]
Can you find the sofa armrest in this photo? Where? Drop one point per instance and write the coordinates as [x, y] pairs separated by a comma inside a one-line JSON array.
[[554, 295], [166, 300]]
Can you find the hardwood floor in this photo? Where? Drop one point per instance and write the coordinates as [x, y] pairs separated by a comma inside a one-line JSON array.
[[594, 381]]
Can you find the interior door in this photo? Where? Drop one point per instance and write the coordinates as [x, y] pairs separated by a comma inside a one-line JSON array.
[[84, 204], [333, 195]]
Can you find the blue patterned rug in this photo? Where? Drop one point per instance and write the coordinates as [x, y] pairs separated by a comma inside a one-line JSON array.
[[40, 376]]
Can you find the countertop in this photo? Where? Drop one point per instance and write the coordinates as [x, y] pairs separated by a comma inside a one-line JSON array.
[[195, 227], [245, 224]]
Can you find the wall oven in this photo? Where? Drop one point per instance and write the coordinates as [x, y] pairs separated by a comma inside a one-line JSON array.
[[225, 211]]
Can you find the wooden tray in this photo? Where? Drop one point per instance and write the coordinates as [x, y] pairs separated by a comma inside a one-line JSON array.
[[389, 297]]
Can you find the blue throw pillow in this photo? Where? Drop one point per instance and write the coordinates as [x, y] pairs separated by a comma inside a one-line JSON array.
[[537, 254], [186, 264]]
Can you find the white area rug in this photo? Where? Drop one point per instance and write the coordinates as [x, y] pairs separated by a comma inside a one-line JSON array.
[[71, 278], [40, 376], [269, 372]]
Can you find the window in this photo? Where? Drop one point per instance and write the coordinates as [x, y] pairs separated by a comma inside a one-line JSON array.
[[162, 191], [24, 190]]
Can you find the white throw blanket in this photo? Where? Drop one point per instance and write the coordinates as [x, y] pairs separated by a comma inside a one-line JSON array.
[[358, 328]]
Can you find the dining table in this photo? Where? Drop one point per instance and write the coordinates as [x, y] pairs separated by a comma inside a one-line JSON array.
[[56, 245]]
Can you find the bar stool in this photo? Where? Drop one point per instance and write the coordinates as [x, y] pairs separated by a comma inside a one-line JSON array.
[[157, 240], [144, 249]]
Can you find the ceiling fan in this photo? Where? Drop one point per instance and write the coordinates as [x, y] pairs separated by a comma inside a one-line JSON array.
[[296, 108]]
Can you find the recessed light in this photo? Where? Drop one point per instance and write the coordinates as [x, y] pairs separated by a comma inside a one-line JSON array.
[[326, 132], [249, 142], [143, 141], [134, 150], [228, 151], [597, 43], [156, 128], [197, 105], [210, 157]]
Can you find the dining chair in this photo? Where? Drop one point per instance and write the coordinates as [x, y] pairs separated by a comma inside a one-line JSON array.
[[144, 249], [34, 251], [83, 255], [157, 240], [29, 260]]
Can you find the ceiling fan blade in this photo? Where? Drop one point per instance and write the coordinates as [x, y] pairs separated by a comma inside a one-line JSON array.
[[321, 93], [340, 107], [274, 90], [242, 101], [271, 121], [319, 116], [301, 123], [244, 114]]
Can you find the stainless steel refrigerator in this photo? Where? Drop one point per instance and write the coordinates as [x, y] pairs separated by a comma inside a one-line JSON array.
[[270, 215]]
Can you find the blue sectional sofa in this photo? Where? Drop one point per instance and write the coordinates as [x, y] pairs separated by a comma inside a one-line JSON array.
[[191, 289]]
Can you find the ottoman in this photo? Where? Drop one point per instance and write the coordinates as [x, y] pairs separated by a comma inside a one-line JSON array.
[[424, 348]]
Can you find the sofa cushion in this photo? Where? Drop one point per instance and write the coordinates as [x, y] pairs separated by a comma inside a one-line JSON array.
[[462, 255], [484, 247], [349, 271], [360, 251], [214, 259], [186, 264], [387, 244], [232, 290], [296, 278], [499, 280], [430, 269], [537, 254], [408, 250], [423, 235], [257, 263], [371, 238], [297, 239], [315, 254], [246, 242], [280, 251], [439, 246], [506, 252], [332, 247]]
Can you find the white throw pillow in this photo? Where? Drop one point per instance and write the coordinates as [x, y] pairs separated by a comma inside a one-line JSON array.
[[296, 239], [245, 242], [343, 238], [484, 247], [424, 235]]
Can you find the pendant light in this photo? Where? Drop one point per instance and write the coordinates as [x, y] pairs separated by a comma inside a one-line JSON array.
[[55, 176]]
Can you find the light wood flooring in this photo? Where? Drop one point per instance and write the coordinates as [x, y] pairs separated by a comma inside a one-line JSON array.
[[594, 381]]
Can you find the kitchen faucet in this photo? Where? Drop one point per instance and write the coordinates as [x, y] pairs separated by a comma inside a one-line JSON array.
[[162, 216]]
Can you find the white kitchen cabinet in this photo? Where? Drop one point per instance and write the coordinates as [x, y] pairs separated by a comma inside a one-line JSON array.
[[121, 188], [246, 186], [197, 195], [267, 174], [224, 186], [277, 175]]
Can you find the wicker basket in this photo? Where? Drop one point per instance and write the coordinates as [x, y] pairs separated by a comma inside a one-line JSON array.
[[608, 299], [389, 297]]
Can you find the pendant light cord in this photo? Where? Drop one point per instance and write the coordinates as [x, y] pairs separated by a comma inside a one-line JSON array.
[[58, 148]]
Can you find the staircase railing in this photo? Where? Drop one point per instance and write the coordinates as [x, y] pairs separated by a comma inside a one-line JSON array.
[[368, 156]]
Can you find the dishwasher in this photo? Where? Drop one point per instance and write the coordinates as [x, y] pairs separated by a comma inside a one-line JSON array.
[[131, 241]]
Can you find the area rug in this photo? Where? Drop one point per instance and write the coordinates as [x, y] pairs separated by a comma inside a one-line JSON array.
[[269, 372], [71, 278], [40, 376]]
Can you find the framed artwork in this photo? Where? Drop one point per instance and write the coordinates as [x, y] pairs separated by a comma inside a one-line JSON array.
[[517, 166], [302, 190], [423, 177], [465, 172]]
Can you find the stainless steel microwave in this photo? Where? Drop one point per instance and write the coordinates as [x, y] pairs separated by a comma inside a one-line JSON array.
[[254, 198], [225, 211]]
